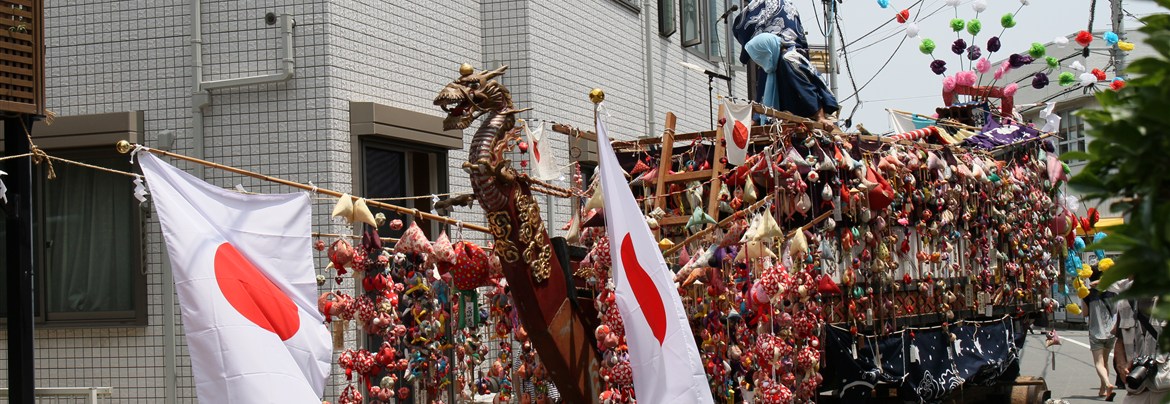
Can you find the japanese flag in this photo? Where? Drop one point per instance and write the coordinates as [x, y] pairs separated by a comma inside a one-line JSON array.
[[663, 356], [737, 130], [243, 270], [543, 165]]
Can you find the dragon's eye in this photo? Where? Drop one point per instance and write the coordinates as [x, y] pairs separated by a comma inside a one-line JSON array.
[[473, 84]]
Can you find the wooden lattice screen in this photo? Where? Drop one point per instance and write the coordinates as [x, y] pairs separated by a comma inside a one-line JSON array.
[[22, 57]]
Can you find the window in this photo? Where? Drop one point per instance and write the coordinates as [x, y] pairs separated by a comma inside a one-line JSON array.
[[702, 31], [396, 170], [88, 226], [400, 153], [1072, 133], [631, 4], [666, 23]]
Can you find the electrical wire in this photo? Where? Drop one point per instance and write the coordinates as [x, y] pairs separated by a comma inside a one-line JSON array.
[[818, 18]]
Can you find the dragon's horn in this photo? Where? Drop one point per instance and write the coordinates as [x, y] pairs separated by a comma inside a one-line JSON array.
[[491, 74]]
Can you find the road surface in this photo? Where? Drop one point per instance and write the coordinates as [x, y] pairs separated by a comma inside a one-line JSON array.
[[1074, 379]]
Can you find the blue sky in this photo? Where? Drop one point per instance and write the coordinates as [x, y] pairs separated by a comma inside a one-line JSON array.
[[907, 83]]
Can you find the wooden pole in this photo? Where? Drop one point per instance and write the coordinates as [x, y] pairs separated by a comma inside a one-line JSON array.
[[126, 147]]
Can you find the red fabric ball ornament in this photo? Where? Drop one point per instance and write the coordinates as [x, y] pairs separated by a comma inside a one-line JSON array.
[[1117, 85], [903, 16], [471, 266], [1084, 38], [523, 163], [1099, 74], [523, 146]]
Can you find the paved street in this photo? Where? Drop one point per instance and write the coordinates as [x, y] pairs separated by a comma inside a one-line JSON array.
[[1074, 378]]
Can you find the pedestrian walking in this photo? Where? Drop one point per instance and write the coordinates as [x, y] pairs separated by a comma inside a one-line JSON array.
[[1136, 357], [1101, 317]]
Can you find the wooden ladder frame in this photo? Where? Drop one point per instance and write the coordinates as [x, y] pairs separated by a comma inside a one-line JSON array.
[[665, 177]]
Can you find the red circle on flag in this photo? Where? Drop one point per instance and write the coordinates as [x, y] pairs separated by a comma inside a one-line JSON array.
[[740, 135], [645, 291], [253, 294]]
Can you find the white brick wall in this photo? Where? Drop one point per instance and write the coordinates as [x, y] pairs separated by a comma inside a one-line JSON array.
[[113, 56]]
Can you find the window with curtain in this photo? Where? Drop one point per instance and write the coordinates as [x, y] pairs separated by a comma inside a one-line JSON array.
[[691, 21], [395, 170], [88, 243], [1072, 133]]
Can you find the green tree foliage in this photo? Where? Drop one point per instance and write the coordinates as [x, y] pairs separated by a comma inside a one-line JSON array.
[[1129, 164]]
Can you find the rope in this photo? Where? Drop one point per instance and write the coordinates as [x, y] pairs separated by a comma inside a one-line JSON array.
[[38, 155]]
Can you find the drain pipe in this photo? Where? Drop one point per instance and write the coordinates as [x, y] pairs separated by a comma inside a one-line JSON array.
[[648, 72], [201, 97]]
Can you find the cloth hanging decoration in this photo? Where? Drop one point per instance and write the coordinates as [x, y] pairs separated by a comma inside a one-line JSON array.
[[544, 165], [413, 241]]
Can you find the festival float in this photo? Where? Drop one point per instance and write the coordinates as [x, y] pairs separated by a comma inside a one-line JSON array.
[[814, 264]]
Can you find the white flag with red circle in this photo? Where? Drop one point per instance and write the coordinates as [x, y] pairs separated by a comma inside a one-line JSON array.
[[737, 130], [663, 356], [243, 269]]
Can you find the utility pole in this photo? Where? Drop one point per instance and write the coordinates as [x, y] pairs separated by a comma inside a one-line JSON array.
[[1118, 16], [831, 42]]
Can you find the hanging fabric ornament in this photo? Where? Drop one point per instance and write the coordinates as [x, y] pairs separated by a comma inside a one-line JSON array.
[[597, 200], [1098, 74], [1037, 50], [754, 250], [639, 167], [1040, 80], [1010, 89], [444, 253], [938, 66], [973, 52], [959, 46], [979, 6], [413, 241], [927, 46], [698, 220], [1017, 60], [695, 194], [361, 213], [749, 191], [798, 245], [993, 44], [1117, 84], [1052, 62], [344, 208], [902, 16], [974, 26], [1073, 308], [665, 244], [983, 66], [768, 228], [912, 30], [803, 203], [1077, 66], [1125, 46], [957, 24], [1060, 41], [1084, 38], [1088, 79], [1008, 20], [1105, 264], [1111, 38], [883, 3]]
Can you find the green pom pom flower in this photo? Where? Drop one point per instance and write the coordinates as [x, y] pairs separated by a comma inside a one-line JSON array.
[[1067, 79], [957, 24], [1037, 50], [927, 46], [974, 26], [1052, 62], [1008, 20]]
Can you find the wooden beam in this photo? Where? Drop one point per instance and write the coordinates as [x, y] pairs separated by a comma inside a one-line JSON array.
[[664, 161]]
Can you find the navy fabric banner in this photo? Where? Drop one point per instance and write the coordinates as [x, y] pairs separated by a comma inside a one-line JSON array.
[[925, 365]]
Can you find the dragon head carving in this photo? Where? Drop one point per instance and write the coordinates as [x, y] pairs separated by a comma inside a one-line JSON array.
[[472, 95]]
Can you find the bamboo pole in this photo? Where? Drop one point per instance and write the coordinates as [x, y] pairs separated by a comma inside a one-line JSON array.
[[125, 147]]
